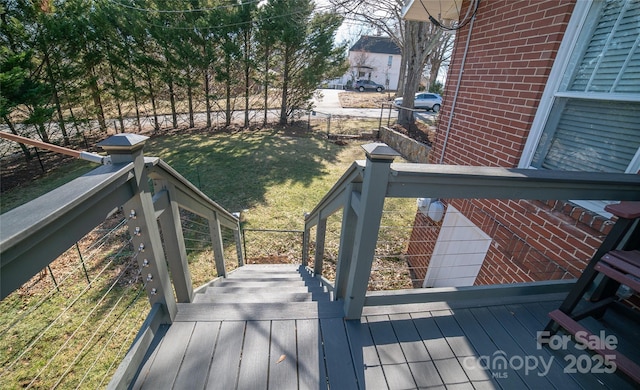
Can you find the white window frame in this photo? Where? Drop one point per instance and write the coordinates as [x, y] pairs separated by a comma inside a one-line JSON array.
[[552, 91]]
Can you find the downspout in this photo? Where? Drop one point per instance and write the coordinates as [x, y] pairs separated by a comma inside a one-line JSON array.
[[455, 95]]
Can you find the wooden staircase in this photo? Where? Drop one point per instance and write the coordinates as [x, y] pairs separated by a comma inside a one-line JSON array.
[[263, 292]]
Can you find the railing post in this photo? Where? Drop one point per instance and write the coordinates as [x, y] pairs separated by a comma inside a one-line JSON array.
[[321, 230], [374, 190], [237, 235], [347, 237], [174, 242], [305, 245], [143, 226], [216, 241]]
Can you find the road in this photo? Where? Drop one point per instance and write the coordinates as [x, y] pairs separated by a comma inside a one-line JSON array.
[[330, 104]]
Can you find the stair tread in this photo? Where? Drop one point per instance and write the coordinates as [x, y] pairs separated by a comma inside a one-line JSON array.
[[253, 284], [247, 298], [258, 311], [249, 289]]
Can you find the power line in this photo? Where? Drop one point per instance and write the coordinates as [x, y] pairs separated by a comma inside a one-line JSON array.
[[182, 11], [238, 24]]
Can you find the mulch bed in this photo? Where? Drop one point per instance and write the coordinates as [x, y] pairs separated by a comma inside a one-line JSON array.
[[419, 132]]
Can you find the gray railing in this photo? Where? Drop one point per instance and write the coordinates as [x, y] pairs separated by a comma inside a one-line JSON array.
[[151, 194], [362, 190]]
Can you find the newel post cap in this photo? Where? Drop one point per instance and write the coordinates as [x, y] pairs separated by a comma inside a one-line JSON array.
[[380, 151], [123, 143]]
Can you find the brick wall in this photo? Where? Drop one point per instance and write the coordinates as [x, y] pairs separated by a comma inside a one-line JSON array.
[[511, 51], [531, 240]]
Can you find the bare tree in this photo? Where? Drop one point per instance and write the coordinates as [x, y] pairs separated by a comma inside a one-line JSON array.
[[440, 56], [416, 40]]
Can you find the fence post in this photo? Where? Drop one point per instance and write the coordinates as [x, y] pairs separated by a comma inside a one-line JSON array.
[[143, 226], [374, 190]]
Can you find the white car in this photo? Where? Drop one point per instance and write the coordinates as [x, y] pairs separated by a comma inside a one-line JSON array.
[[426, 100]]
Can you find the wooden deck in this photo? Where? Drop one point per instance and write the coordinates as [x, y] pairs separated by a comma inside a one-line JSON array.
[[274, 327]]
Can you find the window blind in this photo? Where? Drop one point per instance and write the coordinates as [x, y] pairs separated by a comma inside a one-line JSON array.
[[593, 135], [611, 60]]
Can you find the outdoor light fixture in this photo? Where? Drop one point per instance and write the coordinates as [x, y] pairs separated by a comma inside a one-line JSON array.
[[432, 208]]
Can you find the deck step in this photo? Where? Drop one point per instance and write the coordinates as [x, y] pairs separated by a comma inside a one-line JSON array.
[[622, 362], [270, 267], [258, 311], [258, 285], [259, 277], [253, 298], [257, 291]]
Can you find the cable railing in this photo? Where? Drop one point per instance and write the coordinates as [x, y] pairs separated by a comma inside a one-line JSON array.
[[106, 239], [383, 246], [56, 331]]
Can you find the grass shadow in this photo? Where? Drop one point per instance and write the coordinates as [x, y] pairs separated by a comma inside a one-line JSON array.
[[236, 169]]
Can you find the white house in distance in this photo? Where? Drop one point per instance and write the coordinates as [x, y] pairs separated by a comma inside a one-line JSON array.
[[373, 58]]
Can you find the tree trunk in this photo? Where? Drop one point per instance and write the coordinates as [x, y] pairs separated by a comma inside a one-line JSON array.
[[266, 84], [247, 73], [228, 111], [416, 50], [285, 87], [190, 101], [56, 99], [97, 100], [207, 98], [135, 96], [172, 100], [402, 75], [42, 131], [25, 150], [156, 125], [116, 96]]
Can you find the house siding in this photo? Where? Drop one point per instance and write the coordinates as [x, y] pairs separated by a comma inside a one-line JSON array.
[[511, 51], [380, 71]]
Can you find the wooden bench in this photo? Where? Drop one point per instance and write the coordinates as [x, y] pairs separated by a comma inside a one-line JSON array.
[[618, 260]]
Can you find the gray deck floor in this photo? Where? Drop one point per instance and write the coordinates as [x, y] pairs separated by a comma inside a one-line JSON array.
[[431, 346]]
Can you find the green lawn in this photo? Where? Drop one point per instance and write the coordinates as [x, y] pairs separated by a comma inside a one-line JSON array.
[[270, 177]]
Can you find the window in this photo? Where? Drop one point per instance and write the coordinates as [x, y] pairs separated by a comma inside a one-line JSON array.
[[390, 61], [589, 115]]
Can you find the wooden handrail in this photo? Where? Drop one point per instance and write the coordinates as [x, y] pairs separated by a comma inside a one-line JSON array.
[[87, 156]]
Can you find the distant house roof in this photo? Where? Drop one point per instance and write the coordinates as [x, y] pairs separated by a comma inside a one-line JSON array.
[[370, 44]]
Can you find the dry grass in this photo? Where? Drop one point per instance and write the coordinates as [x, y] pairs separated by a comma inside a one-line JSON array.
[[364, 99]]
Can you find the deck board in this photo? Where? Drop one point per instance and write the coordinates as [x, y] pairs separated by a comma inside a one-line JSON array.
[[410, 342], [436, 345], [510, 347], [197, 356], [283, 372], [340, 371], [311, 370], [226, 357], [254, 367], [165, 369], [484, 346]]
